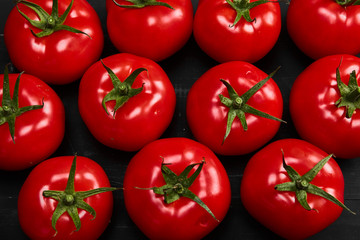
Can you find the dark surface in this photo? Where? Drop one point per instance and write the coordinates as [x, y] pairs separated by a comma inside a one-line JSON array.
[[183, 69]]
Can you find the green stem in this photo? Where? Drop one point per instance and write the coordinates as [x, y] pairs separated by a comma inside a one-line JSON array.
[[348, 2], [238, 105], [143, 3], [177, 186], [69, 200], [122, 91], [10, 110], [48, 23], [301, 184]]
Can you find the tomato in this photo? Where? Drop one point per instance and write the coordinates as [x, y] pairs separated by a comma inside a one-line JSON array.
[[28, 137], [266, 194], [37, 207], [154, 32], [63, 56], [315, 109], [141, 118], [224, 37], [183, 218], [324, 27], [208, 115]]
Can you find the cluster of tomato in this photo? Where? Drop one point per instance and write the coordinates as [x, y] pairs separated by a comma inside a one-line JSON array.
[[178, 182]]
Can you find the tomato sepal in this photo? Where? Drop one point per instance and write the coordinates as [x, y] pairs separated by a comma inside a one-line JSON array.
[[122, 91], [143, 3], [242, 8], [301, 184], [10, 110], [238, 107], [350, 94], [48, 23], [348, 2], [177, 186], [69, 200]]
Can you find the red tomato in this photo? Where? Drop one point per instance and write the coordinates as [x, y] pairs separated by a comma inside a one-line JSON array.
[[154, 32], [314, 111], [61, 57], [143, 118], [38, 133], [35, 211], [324, 27], [217, 36], [183, 218], [280, 211], [207, 115]]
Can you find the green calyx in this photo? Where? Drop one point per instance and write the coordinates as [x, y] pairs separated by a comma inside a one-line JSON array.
[[178, 186], [9, 110], [350, 94], [238, 107], [242, 8], [48, 23], [348, 2], [143, 3], [122, 91], [301, 184], [69, 201]]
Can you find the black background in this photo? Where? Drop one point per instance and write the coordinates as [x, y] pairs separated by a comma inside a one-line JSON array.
[[183, 69]]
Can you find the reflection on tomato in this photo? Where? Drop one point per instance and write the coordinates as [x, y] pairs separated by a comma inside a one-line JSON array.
[[280, 211], [143, 118], [38, 133], [154, 32], [324, 27], [314, 111], [61, 57], [35, 211], [207, 115], [183, 218], [218, 36]]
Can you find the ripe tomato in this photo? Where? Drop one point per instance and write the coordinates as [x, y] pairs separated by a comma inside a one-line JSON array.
[[219, 36], [208, 116], [324, 27], [183, 218], [63, 56], [314, 107], [142, 118], [37, 207], [34, 135], [281, 211], [154, 32]]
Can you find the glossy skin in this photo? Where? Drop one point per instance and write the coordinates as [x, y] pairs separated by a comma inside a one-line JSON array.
[[154, 32], [38, 133], [246, 41], [322, 27], [182, 219], [313, 110], [62, 57], [207, 116], [35, 211], [280, 211], [140, 120]]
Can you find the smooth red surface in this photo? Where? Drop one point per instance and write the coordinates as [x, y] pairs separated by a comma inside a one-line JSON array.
[[322, 27], [280, 211], [63, 56], [313, 110], [207, 116], [182, 219], [38, 133], [246, 41], [139, 121], [154, 32], [35, 211]]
